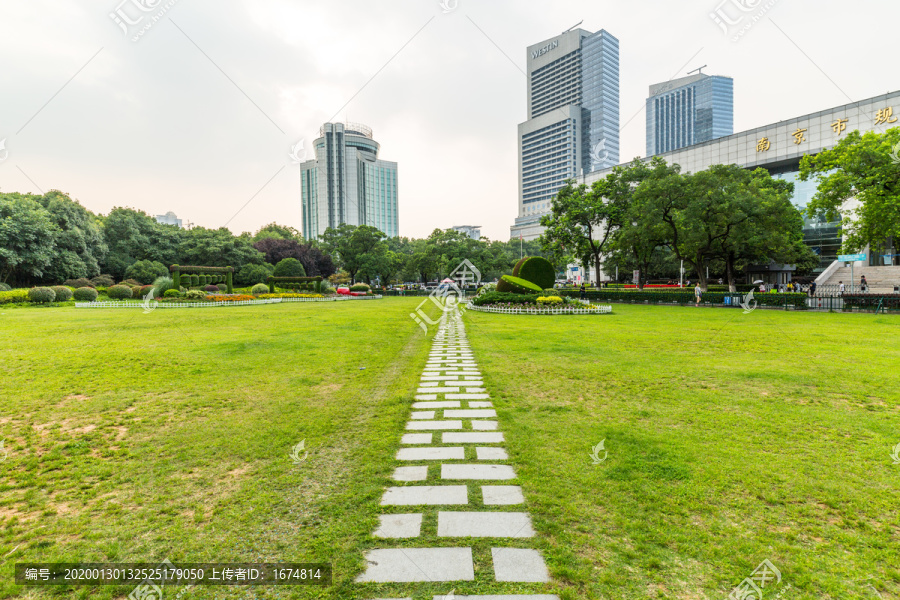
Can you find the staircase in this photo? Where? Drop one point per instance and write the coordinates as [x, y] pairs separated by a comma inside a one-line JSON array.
[[881, 279]]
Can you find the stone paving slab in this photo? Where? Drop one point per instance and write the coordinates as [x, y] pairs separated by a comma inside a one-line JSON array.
[[491, 454], [484, 524], [440, 378], [448, 404], [410, 474], [502, 495], [467, 396], [433, 425], [469, 437], [477, 413], [416, 438], [480, 404], [424, 415], [458, 471], [426, 396], [519, 564], [445, 453], [425, 495], [419, 564], [484, 425], [399, 526], [430, 383]]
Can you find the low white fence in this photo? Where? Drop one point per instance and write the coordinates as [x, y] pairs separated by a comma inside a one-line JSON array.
[[599, 310], [153, 304]]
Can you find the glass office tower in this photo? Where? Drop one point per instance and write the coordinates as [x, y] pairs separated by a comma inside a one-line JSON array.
[[573, 118], [689, 111], [348, 183]]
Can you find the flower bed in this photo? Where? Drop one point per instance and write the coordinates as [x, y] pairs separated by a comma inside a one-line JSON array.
[[228, 301], [528, 309]]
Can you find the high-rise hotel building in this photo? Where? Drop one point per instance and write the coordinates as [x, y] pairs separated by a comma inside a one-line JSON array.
[[348, 183], [573, 119]]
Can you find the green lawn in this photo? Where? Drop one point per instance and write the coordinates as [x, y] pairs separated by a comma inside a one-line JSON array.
[[732, 438]]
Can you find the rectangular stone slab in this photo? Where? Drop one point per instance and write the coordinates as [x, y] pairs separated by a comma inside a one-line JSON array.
[[491, 454], [425, 495], [519, 565], [416, 438], [410, 474], [477, 413], [399, 526], [501, 495], [484, 425], [484, 524], [445, 453], [492, 472], [470, 437], [422, 415], [439, 404], [419, 564], [467, 396], [481, 404], [433, 425]]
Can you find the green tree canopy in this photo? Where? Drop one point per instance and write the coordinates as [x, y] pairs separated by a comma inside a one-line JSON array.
[[79, 247], [289, 267], [28, 237]]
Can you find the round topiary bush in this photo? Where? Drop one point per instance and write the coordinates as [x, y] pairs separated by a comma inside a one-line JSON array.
[[5, 287], [82, 282], [360, 287], [119, 292], [212, 288], [41, 295], [101, 281], [144, 290], [259, 288], [516, 285], [289, 267], [63, 293], [195, 295], [537, 270], [85, 294], [173, 294]]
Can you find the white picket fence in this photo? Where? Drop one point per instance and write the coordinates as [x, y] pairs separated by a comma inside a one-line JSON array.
[[153, 304], [600, 310]]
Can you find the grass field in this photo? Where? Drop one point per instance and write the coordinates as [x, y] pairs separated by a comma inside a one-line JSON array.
[[731, 439]]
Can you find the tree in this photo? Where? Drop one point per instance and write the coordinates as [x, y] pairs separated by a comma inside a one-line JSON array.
[[278, 232], [146, 271], [133, 235], [351, 244], [218, 248], [27, 237], [79, 247], [253, 274], [290, 267], [582, 222], [859, 167]]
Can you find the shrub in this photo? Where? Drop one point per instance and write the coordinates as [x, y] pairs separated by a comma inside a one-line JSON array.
[[119, 292], [549, 300], [488, 287], [259, 288], [82, 282], [41, 295], [63, 293], [143, 291], [504, 297], [4, 287], [163, 285], [102, 281], [517, 285], [195, 295], [85, 294], [146, 271], [537, 270], [289, 267], [253, 274], [14, 297], [131, 283], [172, 294], [360, 287], [211, 288]]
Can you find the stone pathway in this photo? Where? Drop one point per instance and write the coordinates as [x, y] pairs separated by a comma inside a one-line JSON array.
[[453, 437]]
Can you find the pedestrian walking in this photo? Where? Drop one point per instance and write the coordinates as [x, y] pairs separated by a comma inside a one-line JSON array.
[[698, 294], [842, 287], [583, 293], [863, 284]]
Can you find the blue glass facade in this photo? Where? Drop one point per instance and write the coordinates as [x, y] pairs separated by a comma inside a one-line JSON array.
[[599, 101], [689, 111]]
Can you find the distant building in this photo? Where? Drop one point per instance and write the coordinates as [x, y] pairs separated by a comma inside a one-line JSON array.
[[687, 111], [473, 231], [171, 218], [573, 119], [348, 183]]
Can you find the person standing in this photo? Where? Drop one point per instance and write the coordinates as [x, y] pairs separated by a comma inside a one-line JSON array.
[[863, 284], [842, 287], [698, 293], [812, 289], [583, 293]]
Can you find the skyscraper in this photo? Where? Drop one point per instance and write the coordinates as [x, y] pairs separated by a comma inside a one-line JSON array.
[[689, 111], [573, 119], [348, 183]]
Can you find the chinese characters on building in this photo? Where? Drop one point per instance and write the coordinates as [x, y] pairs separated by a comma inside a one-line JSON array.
[[883, 116]]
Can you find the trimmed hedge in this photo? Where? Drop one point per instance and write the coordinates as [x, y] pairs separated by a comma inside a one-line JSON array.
[[82, 282], [63, 293], [41, 295], [537, 270], [517, 285], [360, 287], [119, 292], [173, 294], [684, 297], [85, 294], [14, 297]]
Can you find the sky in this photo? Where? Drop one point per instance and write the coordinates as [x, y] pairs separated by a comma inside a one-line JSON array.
[[196, 108]]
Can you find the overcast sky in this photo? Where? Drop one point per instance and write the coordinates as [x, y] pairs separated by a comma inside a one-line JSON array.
[[199, 115]]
